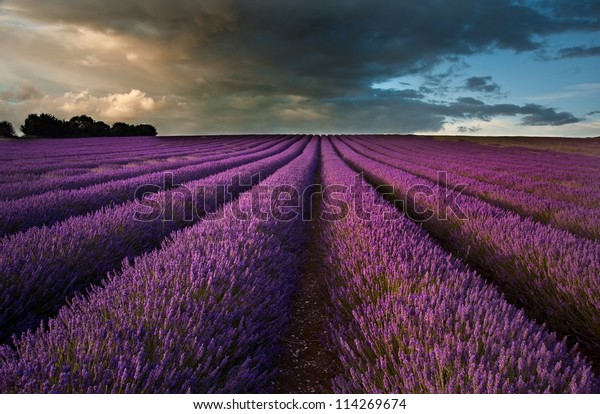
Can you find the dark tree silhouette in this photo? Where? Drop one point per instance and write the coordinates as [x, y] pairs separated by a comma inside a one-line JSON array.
[[85, 126], [81, 125], [45, 125], [48, 126], [100, 129], [146, 130], [121, 129], [6, 129]]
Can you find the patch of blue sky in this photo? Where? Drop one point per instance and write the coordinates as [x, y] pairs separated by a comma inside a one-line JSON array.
[[570, 84]]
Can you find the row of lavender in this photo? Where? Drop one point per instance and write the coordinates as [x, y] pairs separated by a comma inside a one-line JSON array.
[[205, 313], [410, 318], [41, 169], [532, 173], [61, 175], [98, 151], [196, 316], [579, 220], [12, 149], [43, 267], [65, 149], [53, 149], [106, 152], [541, 164], [552, 273], [37, 169], [53, 206], [587, 146]]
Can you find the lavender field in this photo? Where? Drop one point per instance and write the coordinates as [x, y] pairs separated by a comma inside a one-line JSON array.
[[300, 263]]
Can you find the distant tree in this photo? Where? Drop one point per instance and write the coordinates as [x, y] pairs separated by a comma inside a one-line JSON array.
[[86, 126], [145, 130], [100, 129], [49, 126], [81, 126], [121, 129], [45, 125], [6, 129], [31, 126]]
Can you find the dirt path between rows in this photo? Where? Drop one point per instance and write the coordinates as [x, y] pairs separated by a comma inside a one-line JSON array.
[[306, 365]]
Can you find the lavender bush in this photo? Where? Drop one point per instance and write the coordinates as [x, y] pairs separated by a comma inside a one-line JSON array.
[[54, 206], [409, 318], [43, 267], [203, 314], [554, 274]]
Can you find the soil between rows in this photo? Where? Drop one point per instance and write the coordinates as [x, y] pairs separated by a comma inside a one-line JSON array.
[[306, 365]]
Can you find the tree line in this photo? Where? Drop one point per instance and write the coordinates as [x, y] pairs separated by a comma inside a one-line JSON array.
[[49, 126]]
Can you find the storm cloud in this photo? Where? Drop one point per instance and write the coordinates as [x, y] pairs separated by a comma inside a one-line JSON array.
[[578, 51], [482, 84], [258, 65], [534, 115]]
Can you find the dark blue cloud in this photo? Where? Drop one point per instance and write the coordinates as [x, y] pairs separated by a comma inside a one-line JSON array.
[[533, 114], [578, 51], [483, 84]]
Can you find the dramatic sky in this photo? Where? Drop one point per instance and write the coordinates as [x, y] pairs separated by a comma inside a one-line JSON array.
[[223, 66]]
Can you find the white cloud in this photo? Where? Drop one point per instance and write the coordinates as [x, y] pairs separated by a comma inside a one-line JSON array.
[[300, 114], [117, 106]]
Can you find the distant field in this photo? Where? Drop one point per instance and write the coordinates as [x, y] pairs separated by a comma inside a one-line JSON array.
[[585, 146], [300, 263]]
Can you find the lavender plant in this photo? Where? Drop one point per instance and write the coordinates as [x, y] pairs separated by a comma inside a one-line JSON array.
[[203, 314], [409, 318]]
